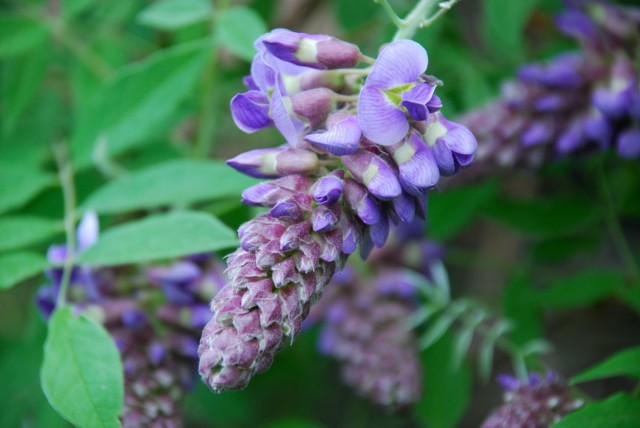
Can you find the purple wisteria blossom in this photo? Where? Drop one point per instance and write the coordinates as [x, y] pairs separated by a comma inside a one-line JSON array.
[[573, 103], [351, 169], [537, 402]]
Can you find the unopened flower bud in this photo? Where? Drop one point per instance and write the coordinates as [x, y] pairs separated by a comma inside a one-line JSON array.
[[374, 172], [311, 50], [275, 162], [328, 189], [342, 136]]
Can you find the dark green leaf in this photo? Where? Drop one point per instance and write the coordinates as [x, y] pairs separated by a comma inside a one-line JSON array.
[[174, 14], [75, 7], [19, 185], [561, 248], [238, 28], [179, 182], [294, 423], [18, 232], [446, 391], [137, 102], [618, 411], [160, 237], [624, 363], [355, 13], [19, 35], [581, 289], [516, 303], [545, 217], [630, 296], [82, 373], [16, 267], [452, 210]]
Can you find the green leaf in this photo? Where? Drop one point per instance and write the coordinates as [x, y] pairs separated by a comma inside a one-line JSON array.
[[355, 13], [452, 210], [630, 296], [624, 363], [174, 14], [160, 237], [238, 28], [545, 217], [618, 411], [25, 185], [82, 373], [446, 391], [22, 78], [73, 8], [294, 423], [16, 267], [157, 186], [581, 289], [504, 24], [516, 303], [18, 232], [560, 248], [19, 35], [137, 102]]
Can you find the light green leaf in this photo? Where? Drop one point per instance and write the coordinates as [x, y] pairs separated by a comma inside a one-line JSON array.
[[19, 35], [451, 211], [179, 182], [618, 411], [581, 289], [16, 267], [18, 232], [73, 8], [137, 102], [82, 373], [160, 237], [174, 14], [22, 78], [19, 185], [624, 363], [238, 28]]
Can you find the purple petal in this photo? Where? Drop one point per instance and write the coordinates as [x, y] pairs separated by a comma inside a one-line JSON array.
[[399, 63], [416, 99], [259, 163], [328, 189], [417, 165], [628, 143], [262, 75], [375, 173], [250, 111], [434, 104], [379, 232], [444, 158], [341, 138], [283, 117], [88, 230], [571, 139], [537, 133], [380, 119], [362, 202], [57, 254], [509, 383], [404, 207]]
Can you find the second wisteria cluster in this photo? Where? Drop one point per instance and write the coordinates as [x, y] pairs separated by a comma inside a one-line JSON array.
[[364, 145]]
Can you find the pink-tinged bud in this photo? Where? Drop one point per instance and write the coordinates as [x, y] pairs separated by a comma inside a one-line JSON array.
[[275, 162], [313, 105], [311, 50], [269, 193], [375, 173], [325, 218]]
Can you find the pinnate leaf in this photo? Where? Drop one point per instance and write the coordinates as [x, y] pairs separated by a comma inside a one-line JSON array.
[[82, 373], [18, 232], [16, 267]]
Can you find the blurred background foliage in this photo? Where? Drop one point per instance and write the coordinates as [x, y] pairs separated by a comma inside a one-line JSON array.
[[138, 91]]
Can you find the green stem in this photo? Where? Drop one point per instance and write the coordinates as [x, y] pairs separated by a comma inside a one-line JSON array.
[[208, 113], [82, 52], [416, 19], [392, 14], [615, 230], [65, 173]]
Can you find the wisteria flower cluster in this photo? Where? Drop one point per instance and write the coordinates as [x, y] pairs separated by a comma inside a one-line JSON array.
[[363, 148], [576, 102], [155, 319], [537, 402]]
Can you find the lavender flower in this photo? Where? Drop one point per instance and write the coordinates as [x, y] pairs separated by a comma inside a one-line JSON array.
[[538, 402], [573, 103], [342, 180], [365, 329]]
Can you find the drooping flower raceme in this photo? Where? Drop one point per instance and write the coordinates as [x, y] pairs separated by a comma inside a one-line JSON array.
[[538, 402], [339, 181], [576, 102], [159, 363]]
